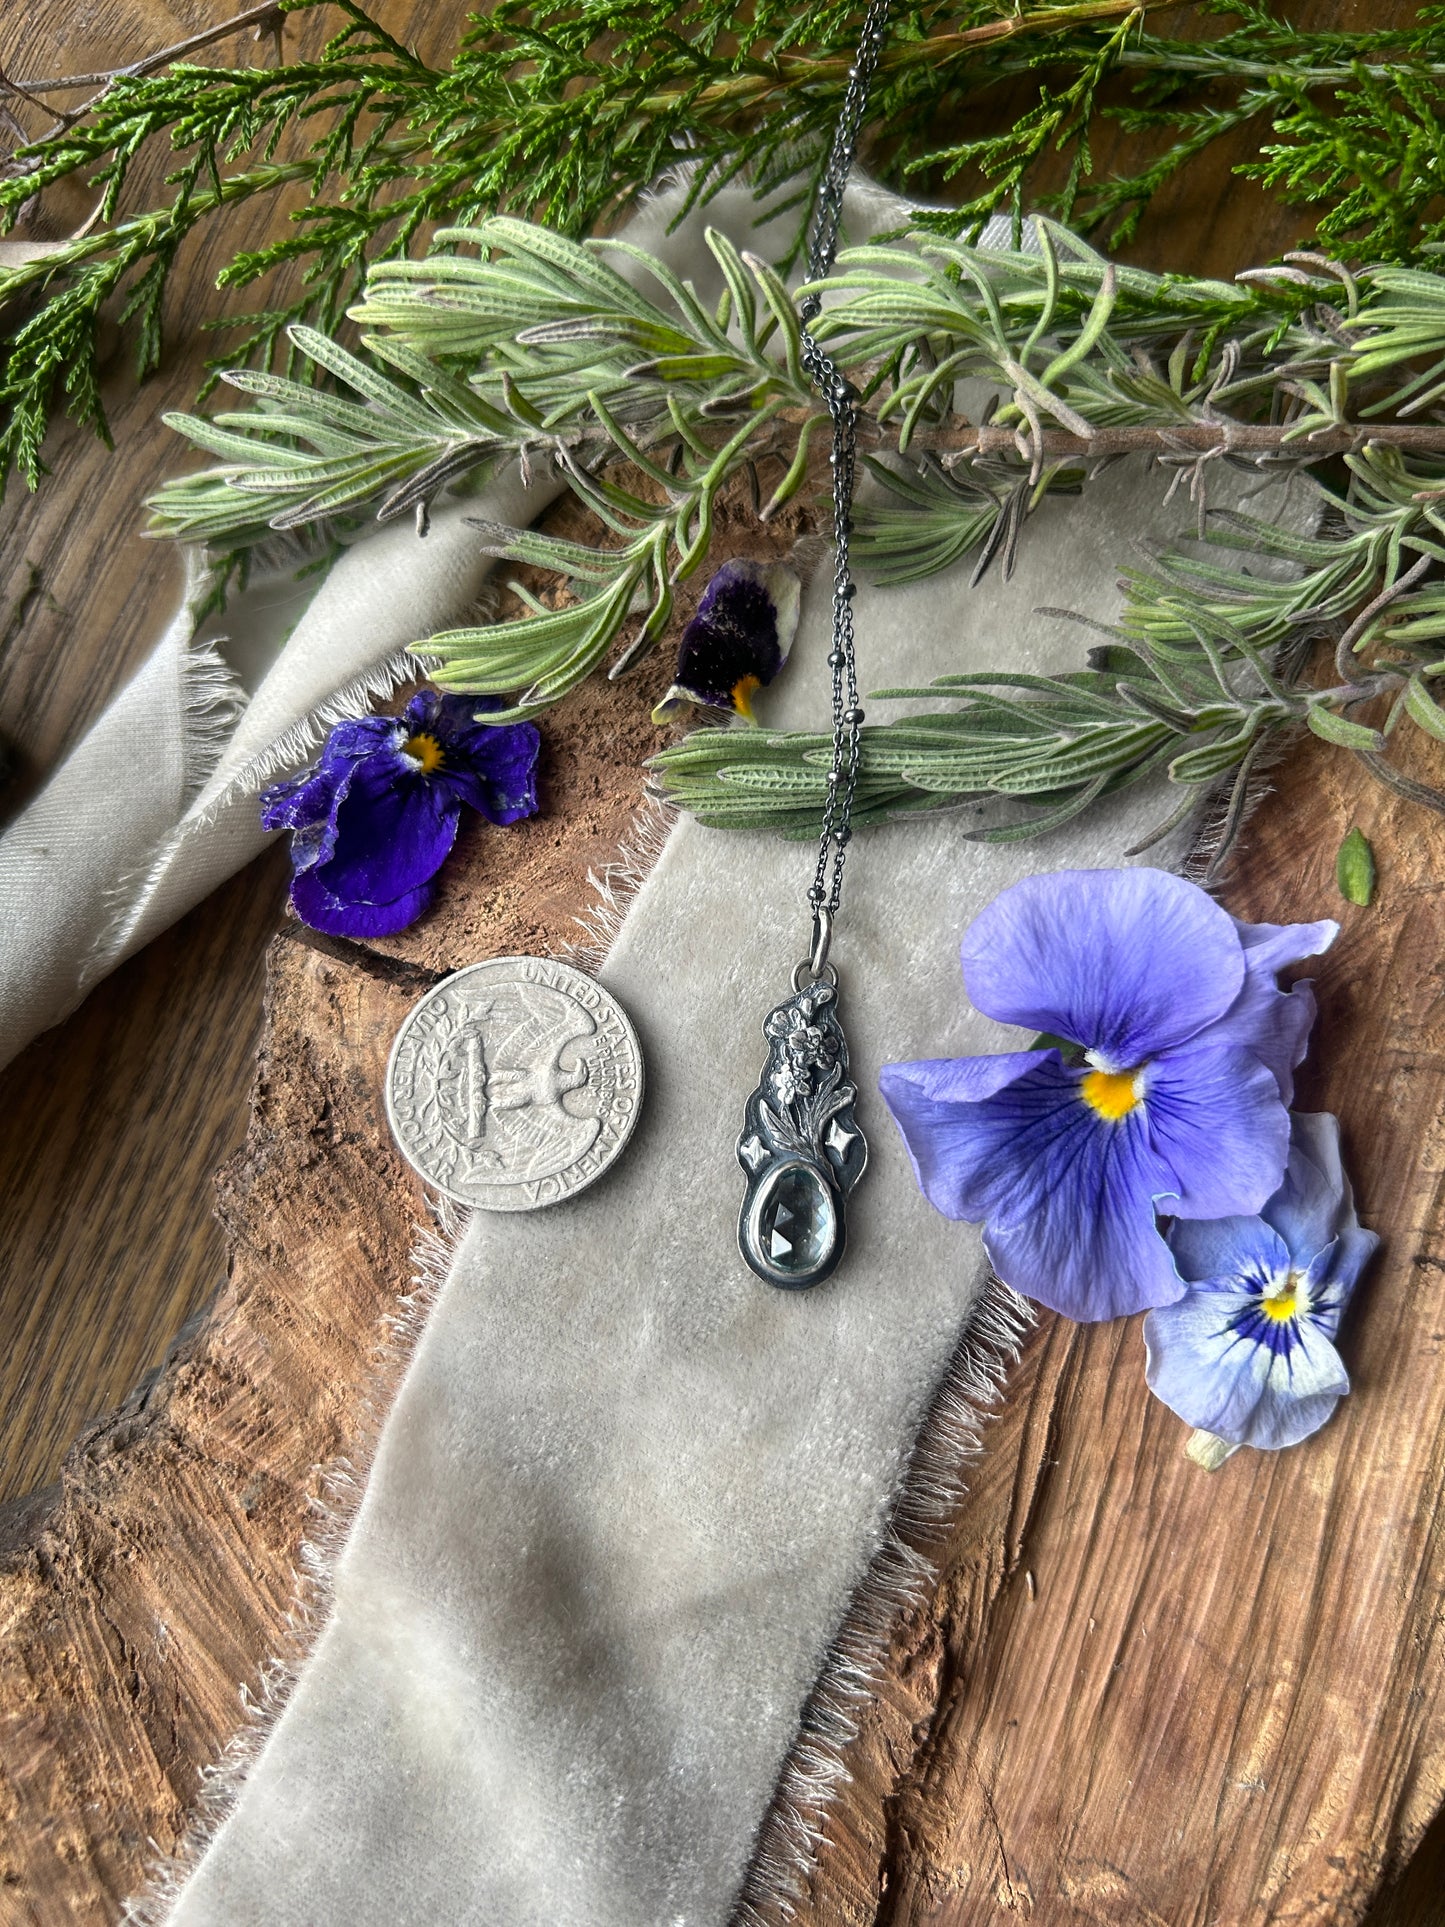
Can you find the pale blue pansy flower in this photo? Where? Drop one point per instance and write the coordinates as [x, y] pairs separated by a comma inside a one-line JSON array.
[[1248, 1353], [1168, 1096]]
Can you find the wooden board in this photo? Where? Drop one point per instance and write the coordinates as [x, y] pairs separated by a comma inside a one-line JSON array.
[[89, 1301], [1142, 1693], [87, 1304], [1138, 1694], [142, 1593]]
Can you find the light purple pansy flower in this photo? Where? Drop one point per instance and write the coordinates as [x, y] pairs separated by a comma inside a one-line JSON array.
[[373, 821], [1170, 1094], [1248, 1352]]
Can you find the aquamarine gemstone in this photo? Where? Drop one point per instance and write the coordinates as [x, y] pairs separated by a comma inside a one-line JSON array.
[[795, 1221]]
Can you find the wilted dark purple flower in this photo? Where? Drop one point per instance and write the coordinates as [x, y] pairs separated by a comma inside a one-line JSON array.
[[738, 640], [1248, 1352], [372, 822], [1171, 1096]]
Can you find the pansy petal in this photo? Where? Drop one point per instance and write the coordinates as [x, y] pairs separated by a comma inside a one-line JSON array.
[[1275, 1024], [393, 831], [1317, 1293], [1213, 1377], [1067, 1195], [494, 769], [1335, 1272], [315, 905], [1301, 1394], [1314, 1212], [424, 711], [309, 810], [359, 736], [307, 803], [1125, 962], [1244, 1250], [1217, 1124], [1314, 1198], [1354, 1249], [935, 1104], [299, 802], [458, 715], [1088, 1262], [1268, 947], [739, 638]]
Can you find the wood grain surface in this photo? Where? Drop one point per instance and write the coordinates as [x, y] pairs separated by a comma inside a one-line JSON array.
[[1142, 1693], [89, 1302], [1138, 1694], [125, 1631]]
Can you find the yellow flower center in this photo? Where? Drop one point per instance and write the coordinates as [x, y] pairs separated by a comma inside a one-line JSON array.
[[426, 750], [743, 696], [1112, 1094], [1280, 1306]]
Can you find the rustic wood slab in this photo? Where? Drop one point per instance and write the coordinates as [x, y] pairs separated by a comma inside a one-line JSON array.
[[1142, 1693], [1138, 1694], [125, 1630], [146, 1591]]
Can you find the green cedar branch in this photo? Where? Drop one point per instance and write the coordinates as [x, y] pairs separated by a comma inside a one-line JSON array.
[[569, 108]]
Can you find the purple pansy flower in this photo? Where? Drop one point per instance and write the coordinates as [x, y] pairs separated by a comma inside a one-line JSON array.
[[738, 640], [1248, 1352], [1166, 1088], [372, 822]]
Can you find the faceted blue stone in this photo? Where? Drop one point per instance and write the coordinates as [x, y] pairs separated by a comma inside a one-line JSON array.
[[794, 1223]]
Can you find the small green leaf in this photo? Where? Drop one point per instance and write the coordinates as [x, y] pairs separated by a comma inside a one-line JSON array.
[[1339, 729], [1072, 1054], [1424, 709], [1355, 869]]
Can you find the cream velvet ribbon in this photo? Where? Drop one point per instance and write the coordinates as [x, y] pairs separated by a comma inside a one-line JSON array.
[[626, 1491], [157, 803]]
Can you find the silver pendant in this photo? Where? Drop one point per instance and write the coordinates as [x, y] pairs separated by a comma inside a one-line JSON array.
[[800, 1146]]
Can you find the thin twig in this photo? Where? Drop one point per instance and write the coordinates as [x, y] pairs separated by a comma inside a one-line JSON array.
[[960, 439], [268, 11], [1345, 664], [1385, 772], [8, 121], [753, 90], [1227, 438], [22, 91]]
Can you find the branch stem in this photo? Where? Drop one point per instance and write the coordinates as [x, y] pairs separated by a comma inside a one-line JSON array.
[[1177, 58], [268, 12], [1189, 438], [791, 71]]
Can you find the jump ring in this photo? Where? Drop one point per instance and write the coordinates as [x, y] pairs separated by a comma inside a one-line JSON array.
[[828, 974]]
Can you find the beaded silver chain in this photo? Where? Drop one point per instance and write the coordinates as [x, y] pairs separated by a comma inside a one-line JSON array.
[[840, 397], [801, 1148]]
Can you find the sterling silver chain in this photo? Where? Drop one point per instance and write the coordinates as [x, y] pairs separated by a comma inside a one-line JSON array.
[[801, 1147], [841, 398]]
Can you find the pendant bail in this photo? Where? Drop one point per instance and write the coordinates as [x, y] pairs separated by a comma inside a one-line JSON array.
[[822, 938], [815, 968]]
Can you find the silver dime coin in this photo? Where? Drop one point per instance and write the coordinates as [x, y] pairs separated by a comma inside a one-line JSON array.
[[514, 1084]]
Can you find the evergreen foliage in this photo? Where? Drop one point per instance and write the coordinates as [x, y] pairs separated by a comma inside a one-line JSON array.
[[516, 338], [564, 109], [650, 401]]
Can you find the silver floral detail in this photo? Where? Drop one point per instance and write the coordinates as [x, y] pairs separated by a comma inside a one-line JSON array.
[[800, 1146], [810, 1049]]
